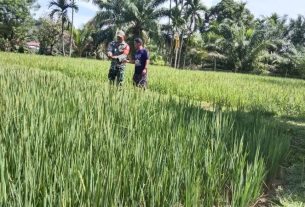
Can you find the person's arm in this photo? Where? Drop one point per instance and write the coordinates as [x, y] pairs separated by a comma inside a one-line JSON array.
[[123, 56], [146, 63], [130, 61]]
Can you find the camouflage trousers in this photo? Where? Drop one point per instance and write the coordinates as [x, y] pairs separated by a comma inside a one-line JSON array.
[[116, 73]]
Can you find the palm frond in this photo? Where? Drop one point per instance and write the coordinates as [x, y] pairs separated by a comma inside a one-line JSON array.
[[55, 11], [74, 6], [53, 3], [160, 13], [157, 3]]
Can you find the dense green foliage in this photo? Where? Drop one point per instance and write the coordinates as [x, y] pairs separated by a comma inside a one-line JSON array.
[[60, 8], [192, 139], [67, 139], [226, 36], [48, 32], [15, 22]]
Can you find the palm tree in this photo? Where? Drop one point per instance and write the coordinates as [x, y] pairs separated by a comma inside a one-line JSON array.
[[178, 27], [244, 48], [138, 18], [143, 16], [186, 16], [233, 10], [297, 31], [71, 32], [110, 14], [282, 56], [194, 13], [72, 24], [83, 40], [61, 9]]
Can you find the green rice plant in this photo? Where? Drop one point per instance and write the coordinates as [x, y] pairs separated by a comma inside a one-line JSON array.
[[77, 142], [280, 96]]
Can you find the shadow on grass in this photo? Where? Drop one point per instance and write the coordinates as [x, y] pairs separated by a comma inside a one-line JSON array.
[[290, 190], [287, 188]]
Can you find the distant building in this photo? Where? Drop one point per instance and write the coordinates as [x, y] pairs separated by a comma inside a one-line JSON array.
[[33, 45]]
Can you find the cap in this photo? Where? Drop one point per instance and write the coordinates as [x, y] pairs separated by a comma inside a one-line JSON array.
[[120, 33]]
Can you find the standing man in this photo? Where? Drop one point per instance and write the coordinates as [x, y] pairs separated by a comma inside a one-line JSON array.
[[117, 52], [141, 61]]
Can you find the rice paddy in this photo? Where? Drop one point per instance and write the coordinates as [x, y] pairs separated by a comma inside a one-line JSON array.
[[68, 139]]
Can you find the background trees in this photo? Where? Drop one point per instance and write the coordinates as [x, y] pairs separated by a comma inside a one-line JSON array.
[[60, 8], [226, 36], [15, 22], [48, 32]]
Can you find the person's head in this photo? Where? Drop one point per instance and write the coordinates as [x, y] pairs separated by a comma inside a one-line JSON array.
[[138, 43], [120, 35]]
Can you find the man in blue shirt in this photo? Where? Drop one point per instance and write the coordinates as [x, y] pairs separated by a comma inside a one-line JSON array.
[[141, 61]]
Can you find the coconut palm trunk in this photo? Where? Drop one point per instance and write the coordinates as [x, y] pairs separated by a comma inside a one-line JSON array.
[[180, 50], [171, 53], [184, 57], [71, 35], [61, 7], [62, 35], [170, 59]]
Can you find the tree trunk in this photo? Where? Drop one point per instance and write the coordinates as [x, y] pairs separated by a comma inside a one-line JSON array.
[[170, 11], [62, 36], [170, 57], [184, 58], [176, 57], [71, 35], [180, 51], [181, 42], [51, 49], [171, 54]]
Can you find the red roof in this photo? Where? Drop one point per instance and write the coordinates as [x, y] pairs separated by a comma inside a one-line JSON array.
[[33, 44]]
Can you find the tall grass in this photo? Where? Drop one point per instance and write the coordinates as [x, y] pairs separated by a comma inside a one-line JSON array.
[[73, 142], [279, 96]]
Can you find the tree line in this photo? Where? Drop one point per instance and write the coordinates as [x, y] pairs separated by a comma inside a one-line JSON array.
[[226, 36]]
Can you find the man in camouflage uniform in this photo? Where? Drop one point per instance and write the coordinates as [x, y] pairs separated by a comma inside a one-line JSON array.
[[117, 52]]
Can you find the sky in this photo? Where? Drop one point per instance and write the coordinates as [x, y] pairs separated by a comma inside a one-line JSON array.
[[85, 13], [259, 7]]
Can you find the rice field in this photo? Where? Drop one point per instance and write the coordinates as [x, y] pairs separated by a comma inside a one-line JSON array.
[[279, 96], [68, 139]]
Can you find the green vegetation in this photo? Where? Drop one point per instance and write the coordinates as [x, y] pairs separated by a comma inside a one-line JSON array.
[[226, 36], [284, 97], [61, 7], [192, 139], [15, 23], [66, 138]]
